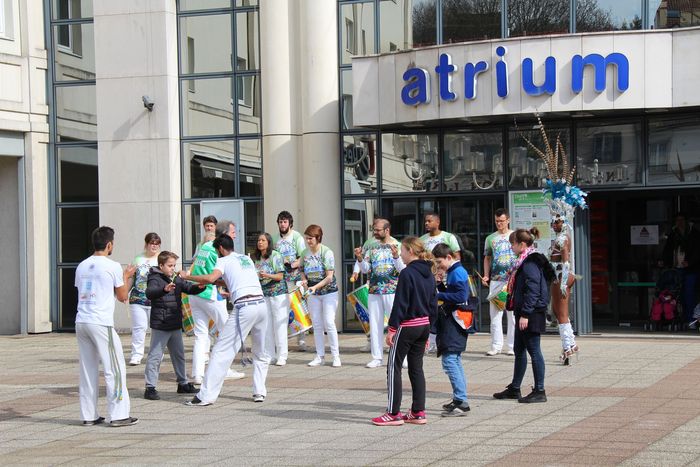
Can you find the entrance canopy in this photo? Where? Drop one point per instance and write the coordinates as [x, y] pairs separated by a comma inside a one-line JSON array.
[[571, 74]]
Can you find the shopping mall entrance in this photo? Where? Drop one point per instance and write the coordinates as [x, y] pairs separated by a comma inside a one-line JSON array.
[[627, 235]]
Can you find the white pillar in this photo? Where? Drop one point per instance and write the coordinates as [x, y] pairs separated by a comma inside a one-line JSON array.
[[138, 150]]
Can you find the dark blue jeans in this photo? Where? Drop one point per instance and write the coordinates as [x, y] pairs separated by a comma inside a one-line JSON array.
[[530, 342]]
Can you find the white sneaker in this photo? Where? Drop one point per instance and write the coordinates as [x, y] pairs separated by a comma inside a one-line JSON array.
[[367, 347], [196, 380], [233, 374], [374, 364], [134, 361], [404, 365], [336, 362], [258, 398], [317, 361], [493, 352], [281, 362], [510, 353]]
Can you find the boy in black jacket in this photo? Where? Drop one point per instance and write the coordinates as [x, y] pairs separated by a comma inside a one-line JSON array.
[[164, 291], [451, 338]]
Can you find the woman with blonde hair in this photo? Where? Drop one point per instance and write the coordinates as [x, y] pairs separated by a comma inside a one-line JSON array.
[[415, 304]]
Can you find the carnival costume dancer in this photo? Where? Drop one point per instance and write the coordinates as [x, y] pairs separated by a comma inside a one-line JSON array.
[[382, 261], [563, 198]]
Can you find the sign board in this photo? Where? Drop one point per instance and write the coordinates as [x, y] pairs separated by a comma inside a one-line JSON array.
[[644, 235], [229, 209], [527, 210]]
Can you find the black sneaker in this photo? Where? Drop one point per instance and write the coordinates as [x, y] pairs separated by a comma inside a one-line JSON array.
[[450, 405], [124, 422], [509, 393], [457, 410], [97, 421], [187, 388], [534, 396], [195, 401], [151, 394]]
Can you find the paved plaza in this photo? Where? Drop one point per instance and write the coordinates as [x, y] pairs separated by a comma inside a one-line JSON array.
[[629, 401]]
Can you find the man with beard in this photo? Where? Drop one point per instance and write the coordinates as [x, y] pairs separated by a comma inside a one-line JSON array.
[[290, 244], [382, 261]]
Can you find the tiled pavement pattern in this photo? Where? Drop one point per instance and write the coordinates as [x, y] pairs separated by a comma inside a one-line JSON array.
[[630, 401]]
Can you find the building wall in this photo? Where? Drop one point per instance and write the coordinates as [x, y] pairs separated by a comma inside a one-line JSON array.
[[24, 110]]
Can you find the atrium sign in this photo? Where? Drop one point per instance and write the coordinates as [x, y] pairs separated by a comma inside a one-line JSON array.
[[417, 80], [574, 73]]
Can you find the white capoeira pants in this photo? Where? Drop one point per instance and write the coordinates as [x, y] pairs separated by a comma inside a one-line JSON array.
[[140, 318], [278, 321], [100, 344], [202, 311], [249, 317], [497, 322], [378, 305], [322, 309]]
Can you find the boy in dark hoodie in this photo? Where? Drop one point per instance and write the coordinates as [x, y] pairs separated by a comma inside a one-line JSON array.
[[164, 290], [415, 305], [451, 338]]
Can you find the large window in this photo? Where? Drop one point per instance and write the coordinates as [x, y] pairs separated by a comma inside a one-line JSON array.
[[609, 153], [608, 15], [674, 151], [220, 111], [470, 20], [473, 160], [673, 14], [526, 171], [73, 138], [535, 17]]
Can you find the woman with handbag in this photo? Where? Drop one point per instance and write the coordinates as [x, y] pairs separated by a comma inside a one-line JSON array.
[[529, 285]]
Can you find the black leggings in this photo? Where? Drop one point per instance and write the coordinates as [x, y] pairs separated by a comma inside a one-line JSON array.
[[408, 342]]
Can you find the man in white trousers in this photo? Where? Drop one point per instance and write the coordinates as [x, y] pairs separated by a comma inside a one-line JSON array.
[[498, 261], [98, 279], [249, 316], [381, 260]]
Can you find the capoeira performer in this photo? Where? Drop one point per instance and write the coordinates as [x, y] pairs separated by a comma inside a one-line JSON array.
[[98, 279], [249, 316]]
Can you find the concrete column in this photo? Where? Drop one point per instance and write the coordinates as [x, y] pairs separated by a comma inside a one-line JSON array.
[[279, 52], [320, 157], [138, 150]]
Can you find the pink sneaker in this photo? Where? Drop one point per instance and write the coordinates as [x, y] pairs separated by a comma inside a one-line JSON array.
[[417, 418], [389, 420]]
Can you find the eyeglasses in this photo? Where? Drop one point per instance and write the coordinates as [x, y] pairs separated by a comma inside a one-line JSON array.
[[155, 243]]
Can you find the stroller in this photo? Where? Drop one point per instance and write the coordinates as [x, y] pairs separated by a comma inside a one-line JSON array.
[[666, 309]]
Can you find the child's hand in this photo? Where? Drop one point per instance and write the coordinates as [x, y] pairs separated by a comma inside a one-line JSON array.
[[390, 337], [169, 288]]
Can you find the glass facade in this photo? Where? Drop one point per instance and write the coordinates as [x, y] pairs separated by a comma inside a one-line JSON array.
[[220, 119], [73, 147]]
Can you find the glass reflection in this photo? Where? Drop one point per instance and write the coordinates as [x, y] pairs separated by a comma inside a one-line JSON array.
[[186, 5], [253, 225], [407, 24], [68, 298], [346, 99], [76, 113], [247, 50], [356, 30], [533, 17], [205, 44], [75, 52], [525, 169], [410, 162], [207, 107], [251, 167], [608, 15], [673, 14], [469, 20], [359, 164], [674, 157], [76, 226], [71, 9], [248, 94], [473, 161], [609, 154], [192, 220], [209, 169], [357, 219], [77, 174]]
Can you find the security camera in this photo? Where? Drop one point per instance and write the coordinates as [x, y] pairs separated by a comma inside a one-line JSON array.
[[148, 103]]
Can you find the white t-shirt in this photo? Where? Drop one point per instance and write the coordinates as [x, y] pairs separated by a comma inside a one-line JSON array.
[[96, 279], [240, 275]]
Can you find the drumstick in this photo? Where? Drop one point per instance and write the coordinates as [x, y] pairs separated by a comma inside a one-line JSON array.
[[477, 273]]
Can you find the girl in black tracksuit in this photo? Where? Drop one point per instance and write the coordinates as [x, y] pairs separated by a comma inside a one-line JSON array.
[[415, 305]]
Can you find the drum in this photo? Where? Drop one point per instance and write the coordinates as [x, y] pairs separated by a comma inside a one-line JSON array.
[[299, 320], [187, 318], [499, 296], [358, 299]]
